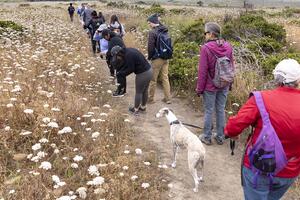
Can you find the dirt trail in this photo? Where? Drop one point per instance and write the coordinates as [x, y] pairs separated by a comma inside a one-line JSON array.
[[222, 179]]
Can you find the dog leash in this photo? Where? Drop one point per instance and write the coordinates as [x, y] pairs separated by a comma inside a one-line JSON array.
[[191, 125]]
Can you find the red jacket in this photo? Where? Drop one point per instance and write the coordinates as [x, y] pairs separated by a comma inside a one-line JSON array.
[[283, 106]]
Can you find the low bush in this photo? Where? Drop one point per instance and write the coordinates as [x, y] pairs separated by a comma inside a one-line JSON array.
[[184, 65], [119, 4], [193, 32], [271, 61], [155, 8], [253, 26]]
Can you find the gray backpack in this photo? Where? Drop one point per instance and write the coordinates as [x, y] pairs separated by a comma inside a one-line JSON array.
[[224, 71]]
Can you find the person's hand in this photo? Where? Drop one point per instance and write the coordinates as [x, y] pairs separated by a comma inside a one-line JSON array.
[[235, 138], [199, 93]]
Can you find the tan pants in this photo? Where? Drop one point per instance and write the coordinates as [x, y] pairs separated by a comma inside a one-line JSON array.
[[160, 66]]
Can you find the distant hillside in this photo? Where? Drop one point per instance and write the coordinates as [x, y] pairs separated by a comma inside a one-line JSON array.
[[234, 3]]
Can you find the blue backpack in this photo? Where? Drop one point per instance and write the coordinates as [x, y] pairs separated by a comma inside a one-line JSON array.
[[164, 48], [267, 156]]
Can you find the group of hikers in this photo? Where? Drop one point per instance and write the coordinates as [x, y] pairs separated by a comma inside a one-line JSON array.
[[271, 162]]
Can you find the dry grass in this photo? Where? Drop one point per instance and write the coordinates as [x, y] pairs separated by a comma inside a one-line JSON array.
[[50, 71]]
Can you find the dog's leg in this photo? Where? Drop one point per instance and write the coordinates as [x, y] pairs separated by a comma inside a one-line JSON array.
[[192, 162], [175, 150], [201, 163]]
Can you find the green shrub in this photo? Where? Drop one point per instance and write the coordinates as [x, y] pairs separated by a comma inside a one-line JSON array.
[[193, 32], [271, 61], [184, 65], [10, 25], [200, 3], [181, 11], [265, 44], [119, 4], [155, 9], [253, 26]]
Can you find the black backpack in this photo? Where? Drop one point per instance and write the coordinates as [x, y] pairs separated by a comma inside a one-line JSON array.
[[164, 48]]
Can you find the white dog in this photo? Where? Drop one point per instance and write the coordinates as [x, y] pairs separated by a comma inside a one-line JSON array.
[[183, 137]]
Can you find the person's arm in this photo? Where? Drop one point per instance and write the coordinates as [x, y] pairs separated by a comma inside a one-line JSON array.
[[128, 66], [247, 115], [151, 44], [202, 71]]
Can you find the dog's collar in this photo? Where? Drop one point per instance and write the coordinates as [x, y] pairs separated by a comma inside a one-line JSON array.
[[175, 122]]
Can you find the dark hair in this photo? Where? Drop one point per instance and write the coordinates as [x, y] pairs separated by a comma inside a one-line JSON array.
[[94, 13], [105, 32], [114, 19], [70, 4], [100, 14]]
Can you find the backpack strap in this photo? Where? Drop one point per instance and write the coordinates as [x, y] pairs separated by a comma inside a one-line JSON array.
[[211, 51], [261, 107]]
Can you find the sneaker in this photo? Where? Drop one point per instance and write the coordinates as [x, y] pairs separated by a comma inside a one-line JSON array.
[[133, 111], [118, 93], [142, 109], [219, 140], [205, 140], [167, 101]]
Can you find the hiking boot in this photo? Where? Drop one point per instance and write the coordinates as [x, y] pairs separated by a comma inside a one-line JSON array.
[[142, 109], [205, 140], [219, 140], [167, 101], [119, 93], [133, 111]]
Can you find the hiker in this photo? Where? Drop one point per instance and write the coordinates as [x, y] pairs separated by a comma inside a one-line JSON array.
[[101, 16], [71, 11], [116, 26], [103, 43], [114, 40], [86, 14], [92, 26], [282, 111], [127, 61], [214, 96], [160, 65]]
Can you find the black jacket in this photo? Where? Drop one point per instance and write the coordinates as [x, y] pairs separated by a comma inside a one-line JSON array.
[[93, 25], [114, 41], [135, 62], [152, 40]]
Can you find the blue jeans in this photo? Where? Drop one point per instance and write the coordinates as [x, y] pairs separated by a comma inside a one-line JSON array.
[[262, 191], [214, 101]]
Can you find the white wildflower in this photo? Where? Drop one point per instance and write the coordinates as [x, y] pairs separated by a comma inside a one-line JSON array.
[[65, 130], [45, 165], [126, 120], [37, 146], [56, 151], [82, 192], [46, 105], [64, 198], [75, 149], [93, 170], [104, 114], [147, 163], [125, 167], [43, 140], [11, 191], [95, 134], [126, 151], [41, 154], [10, 105], [78, 158], [106, 106], [96, 181], [7, 128], [55, 109], [52, 125], [134, 177], [28, 111], [74, 165], [145, 185], [55, 179], [121, 174], [46, 120], [109, 91], [138, 151]]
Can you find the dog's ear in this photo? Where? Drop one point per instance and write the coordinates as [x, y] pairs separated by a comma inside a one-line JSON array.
[[171, 110], [166, 111]]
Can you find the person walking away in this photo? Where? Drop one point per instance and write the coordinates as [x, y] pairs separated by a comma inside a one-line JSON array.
[[159, 64], [101, 16], [86, 14], [214, 51], [116, 26], [71, 11], [130, 60], [114, 40], [92, 26], [275, 116]]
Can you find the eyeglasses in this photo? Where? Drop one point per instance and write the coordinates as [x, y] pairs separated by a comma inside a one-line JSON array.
[[206, 32]]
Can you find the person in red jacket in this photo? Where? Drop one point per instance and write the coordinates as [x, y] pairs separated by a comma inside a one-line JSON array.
[[283, 107]]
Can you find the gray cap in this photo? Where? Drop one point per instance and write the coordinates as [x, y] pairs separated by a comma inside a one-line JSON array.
[[213, 27], [115, 50]]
